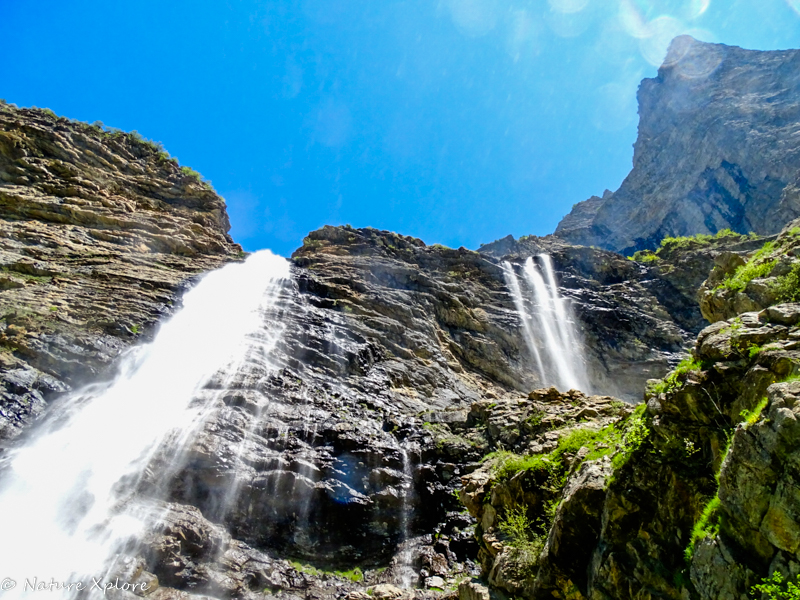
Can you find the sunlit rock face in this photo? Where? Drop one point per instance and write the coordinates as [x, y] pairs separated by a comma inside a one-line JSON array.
[[717, 148], [99, 233]]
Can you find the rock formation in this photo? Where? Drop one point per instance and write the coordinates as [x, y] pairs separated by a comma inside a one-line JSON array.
[[717, 148], [99, 234], [395, 432]]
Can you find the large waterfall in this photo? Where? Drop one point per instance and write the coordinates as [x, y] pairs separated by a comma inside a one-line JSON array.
[[67, 497], [547, 324]]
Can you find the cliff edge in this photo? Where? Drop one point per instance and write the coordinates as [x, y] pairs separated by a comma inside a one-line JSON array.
[[718, 148], [99, 233]]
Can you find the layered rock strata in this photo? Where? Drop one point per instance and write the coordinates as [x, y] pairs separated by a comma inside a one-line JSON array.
[[717, 148], [100, 232]]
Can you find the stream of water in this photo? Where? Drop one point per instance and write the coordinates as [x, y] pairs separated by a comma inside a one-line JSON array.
[[66, 495], [547, 324]]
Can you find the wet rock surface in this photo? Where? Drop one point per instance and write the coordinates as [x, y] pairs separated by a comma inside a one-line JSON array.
[[715, 150], [380, 438]]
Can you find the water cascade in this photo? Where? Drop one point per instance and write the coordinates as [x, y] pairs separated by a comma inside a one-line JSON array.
[[405, 557], [68, 495], [547, 324]]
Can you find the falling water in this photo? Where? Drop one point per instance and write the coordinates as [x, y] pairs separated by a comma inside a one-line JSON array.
[[65, 495], [547, 325], [406, 555]]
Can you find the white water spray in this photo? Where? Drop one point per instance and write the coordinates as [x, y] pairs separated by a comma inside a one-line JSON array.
[[64, 495], [405, 557], [547, 325]]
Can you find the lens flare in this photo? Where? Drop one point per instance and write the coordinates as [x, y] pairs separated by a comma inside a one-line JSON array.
[[662, 31], [632, 18], [697, 8], [568, 25], [568, 6], [794, 5], [473, 18]]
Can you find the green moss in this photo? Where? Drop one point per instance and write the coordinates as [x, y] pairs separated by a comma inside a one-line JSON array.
[[759, 265], [751, 417], [670, 382], [621, 439], [707, 526]]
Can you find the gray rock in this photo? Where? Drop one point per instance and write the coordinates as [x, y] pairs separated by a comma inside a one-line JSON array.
[[714, 151]]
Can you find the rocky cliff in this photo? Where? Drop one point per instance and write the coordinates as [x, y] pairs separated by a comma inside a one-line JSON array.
[[100, 232], [717, 148], [393, 431]]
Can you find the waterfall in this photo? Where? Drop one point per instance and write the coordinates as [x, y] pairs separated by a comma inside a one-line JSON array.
[[405, 557], [67, 496], [547, 324]]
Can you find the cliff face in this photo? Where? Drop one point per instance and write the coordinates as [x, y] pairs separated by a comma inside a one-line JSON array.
[[397, 424], [717, 148], [99, 234]]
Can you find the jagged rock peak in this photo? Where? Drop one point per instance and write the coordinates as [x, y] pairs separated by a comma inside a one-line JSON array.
[[717, 148]]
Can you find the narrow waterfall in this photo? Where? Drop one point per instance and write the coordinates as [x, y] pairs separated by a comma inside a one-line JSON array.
[[547, 324], [66, 496], [405, 557]]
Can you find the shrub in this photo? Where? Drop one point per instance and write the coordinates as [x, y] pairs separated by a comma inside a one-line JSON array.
[[776, 589], [670, 382], [645, 256], [759, 265], [787, 287], [525, 538]]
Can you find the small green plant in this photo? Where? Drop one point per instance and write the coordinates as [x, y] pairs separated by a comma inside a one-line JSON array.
[[670, 382], [751, 417], [525, 538], [776, 588], [190, 172], [787, 287], [706, 526], [645, 256], [53, 308], [689, 448], [135, 329], [759, 265], [634, 435]]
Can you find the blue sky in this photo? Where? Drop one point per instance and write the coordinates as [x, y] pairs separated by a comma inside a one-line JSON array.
[[456, 121]]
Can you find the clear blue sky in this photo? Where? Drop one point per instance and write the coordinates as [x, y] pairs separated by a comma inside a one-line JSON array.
[[456, 121]]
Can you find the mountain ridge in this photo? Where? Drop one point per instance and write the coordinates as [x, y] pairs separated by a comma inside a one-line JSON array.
[[718, 147]]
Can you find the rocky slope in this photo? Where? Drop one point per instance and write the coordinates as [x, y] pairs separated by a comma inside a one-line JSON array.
[[688, 498], [100, 232], [717, 148], [385, 433]]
